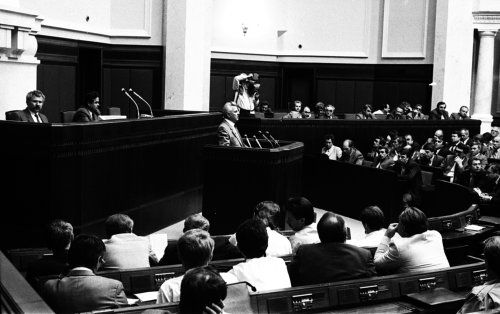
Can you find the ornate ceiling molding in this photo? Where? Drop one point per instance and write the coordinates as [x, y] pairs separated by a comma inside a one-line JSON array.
[[486, 20]]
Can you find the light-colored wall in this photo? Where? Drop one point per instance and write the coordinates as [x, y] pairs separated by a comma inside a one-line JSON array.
[[131, 22], [330, 31]]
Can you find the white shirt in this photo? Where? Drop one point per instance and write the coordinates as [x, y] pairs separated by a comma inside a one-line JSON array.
[[277, 244], [170, 290], [33, 116], [265, 273], [371, 239], [308, 235], [127, 250], [334, 153]]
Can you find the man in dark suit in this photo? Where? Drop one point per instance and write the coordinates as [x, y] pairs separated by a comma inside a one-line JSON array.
[[428, 156], [383, 160], [81, 290], [350, 154], [332, 259], [227, 132], [439, 113], [463, 114], [409, 174], [59, 235], [34, 101], [222, 248], [474, 177], [90, 112]]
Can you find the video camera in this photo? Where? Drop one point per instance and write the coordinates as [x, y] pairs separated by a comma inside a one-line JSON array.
[[251, 79]]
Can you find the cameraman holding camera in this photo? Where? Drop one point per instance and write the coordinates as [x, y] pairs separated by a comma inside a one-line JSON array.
[[246, 94]]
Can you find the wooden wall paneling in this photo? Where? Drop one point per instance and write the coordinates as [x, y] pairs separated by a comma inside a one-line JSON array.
[[142, 82], [386, 93], [298, 86], [89, 71], [120, 78], [325, 91], [363, 93], [345, 96], [106, 91], [217, 92], [228, 89], [267, 90]]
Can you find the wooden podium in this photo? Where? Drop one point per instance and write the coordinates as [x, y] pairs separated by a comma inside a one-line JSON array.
[[236, 179]]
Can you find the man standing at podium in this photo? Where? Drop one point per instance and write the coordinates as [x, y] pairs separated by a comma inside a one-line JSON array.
[[227, 133]]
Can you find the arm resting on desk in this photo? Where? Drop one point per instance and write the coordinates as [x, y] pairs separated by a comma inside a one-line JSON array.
[[387, 256]]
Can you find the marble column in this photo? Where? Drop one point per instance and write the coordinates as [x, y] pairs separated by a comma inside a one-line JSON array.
[[484, 79], [187, 45]]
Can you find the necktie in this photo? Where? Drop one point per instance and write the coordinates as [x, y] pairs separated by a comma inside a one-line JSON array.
[[38, 120]]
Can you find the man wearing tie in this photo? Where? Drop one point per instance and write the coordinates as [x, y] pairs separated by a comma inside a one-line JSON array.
[[34, 102], [227, 132]]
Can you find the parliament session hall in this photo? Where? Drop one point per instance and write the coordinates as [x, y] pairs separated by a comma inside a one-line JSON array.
[[265, 156]]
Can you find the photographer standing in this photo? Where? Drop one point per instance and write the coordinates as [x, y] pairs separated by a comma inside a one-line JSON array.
[[246, 92]]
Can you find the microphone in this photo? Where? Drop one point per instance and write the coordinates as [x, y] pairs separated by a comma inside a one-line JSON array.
[[136, 106], [138, 96], [256, 140], [265, 137], [246, 282], [272, 139], [248, 141]]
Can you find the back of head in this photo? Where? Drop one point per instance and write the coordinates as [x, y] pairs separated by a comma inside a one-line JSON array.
[[90, 96], [331, 228], [301, 207], [267, 211], [196, 221], [59, 235], [492, 255], [195, 248], [118, 223], [201, 287], [373, 217], [85, 251], [252, 238], [412, 221]]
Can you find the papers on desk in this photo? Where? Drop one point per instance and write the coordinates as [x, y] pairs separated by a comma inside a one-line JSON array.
[[112, 117], [147, 296], [474, 228], [132, 301], [159, 242]]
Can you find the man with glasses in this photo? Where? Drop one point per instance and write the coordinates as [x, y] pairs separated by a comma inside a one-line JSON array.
[[329, 110]]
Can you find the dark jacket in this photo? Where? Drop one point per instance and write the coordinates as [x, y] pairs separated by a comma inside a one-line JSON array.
[[25, 115], [83, 115], [457, 116], [330, 262], [435, 115]]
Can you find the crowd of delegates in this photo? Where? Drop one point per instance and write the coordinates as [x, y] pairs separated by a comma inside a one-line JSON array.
[[471, 161], [321, 253], [402, 111]]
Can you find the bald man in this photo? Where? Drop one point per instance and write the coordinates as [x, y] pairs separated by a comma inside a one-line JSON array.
[[332, 259], [227, 133]]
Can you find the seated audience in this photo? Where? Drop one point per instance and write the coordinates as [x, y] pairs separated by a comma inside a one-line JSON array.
[[330, 113], [397, 114], [81, 290], [332, 259], [378, 142], [90, 111], [373, 221], [475, 152], [295, 112], [464, 137], [494, 151], [302, 219], [418, 248], [462, 114], [34, 103], [409, 174], [202, 292], [333, 152], [266, 109], [59, 235], [366, 112], [428, 157], [262, 271], [319, 110], [474, 177], [383, 160], [124, 249], [417, 114], [457, 162], [410, 143], [267, 212], [487, 297], [222, 248], [491, 200], [439, 113], [306, 113], [195, 250], [350, 154], [385, 110]]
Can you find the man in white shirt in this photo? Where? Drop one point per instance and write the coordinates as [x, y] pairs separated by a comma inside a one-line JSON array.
[[302, 219], [261, 271], [195, 249], [373, 221], [125, 249], [333, 152]]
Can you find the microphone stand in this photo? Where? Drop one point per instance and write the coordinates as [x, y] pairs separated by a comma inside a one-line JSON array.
[[138, 96], [256, 140], [265, 137], [248, 141], [136, 106], [272, 138]]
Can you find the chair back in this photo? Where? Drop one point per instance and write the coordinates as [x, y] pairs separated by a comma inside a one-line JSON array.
[[114, 111], [350, 116], [67, 116], [12, 115], [427, 178]]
